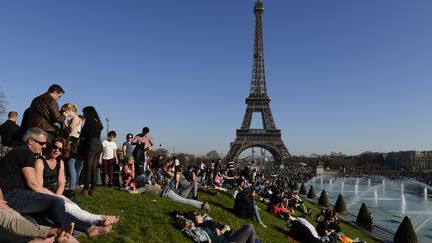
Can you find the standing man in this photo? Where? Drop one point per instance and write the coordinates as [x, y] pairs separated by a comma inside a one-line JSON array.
[[44, 111], [10, 132]]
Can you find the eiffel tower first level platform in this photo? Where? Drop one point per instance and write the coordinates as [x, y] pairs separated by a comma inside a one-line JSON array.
[[269, 137]]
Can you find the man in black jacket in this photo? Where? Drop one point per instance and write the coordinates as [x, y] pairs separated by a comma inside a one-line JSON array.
[[10, 132], [44, 110]]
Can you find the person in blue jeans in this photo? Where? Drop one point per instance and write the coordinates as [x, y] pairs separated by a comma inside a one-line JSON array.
[[74, 167]]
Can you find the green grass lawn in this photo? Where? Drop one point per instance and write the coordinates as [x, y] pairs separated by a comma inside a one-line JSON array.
[[146, 218]]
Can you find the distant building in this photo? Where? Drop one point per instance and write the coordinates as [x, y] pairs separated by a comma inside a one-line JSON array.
[[410, 160]]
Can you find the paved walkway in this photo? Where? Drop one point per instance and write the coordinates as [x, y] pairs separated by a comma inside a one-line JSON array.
[[377, 232]]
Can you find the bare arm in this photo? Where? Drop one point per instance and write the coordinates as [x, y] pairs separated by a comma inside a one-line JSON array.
[[124, 150], [177, 178], [31, 179], [115, 156]]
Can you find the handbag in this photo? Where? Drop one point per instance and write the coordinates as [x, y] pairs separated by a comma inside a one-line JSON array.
[[74, 144]]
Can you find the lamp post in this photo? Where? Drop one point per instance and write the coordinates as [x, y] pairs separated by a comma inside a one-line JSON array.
[[108, 121]]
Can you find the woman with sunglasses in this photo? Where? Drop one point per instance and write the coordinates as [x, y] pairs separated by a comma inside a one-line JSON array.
[[50, 173]]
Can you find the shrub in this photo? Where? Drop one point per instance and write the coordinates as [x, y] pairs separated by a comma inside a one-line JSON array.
[[303, 189], [405, 232], [296, 186], [311, 194], [364, 218], [323, 199], [340, 206]]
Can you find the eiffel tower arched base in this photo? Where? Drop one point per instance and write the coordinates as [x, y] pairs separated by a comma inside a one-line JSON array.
[[269, 140]]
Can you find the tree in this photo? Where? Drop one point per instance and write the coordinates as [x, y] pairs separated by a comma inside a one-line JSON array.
[[2, 105], [405, 232], [340, 206], [364, 218], [303, 189], [213, 155], [311, 194], [160, 151], [323, 199]]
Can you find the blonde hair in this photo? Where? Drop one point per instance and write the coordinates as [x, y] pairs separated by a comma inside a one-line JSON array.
[[69, 106]]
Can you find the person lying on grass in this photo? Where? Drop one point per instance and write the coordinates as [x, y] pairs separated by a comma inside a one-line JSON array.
[[220, 233], [50, 174], [170, 194]]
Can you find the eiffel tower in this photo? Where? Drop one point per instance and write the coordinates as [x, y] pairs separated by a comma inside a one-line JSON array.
[[258, 101]]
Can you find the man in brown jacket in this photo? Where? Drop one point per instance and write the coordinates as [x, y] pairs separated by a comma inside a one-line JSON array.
[[44, 110]]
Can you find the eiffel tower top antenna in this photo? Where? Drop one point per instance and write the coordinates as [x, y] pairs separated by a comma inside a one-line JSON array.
[[258, 82]]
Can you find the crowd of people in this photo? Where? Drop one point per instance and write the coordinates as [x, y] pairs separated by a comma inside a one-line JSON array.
[[55, 151]]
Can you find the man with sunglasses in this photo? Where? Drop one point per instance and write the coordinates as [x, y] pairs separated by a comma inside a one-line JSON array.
[[21, 190], [44, 111]]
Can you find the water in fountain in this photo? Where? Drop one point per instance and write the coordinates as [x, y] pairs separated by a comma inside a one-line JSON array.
[[356, 191], [330, 184], [387, 201], [322, 183], [403, 205], [376, 197], [369, 183], [313, 180]]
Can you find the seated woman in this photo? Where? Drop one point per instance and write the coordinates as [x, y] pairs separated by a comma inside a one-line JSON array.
[[182, 186], [220, 233], [50, 173], [128, 174], [245, 206]]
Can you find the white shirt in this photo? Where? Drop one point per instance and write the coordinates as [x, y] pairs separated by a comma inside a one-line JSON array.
[[310, 226], [176, 162], [108, 149]]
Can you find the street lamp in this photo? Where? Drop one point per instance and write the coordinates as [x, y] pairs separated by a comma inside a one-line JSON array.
[[108, 121]]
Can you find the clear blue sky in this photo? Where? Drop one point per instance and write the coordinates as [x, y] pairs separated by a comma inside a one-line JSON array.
[[344, 75]]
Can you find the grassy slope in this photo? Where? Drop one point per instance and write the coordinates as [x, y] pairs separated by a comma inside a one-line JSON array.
[[147, 218]]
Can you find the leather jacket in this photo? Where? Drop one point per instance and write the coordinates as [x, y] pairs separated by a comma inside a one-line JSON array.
[[44, 112]]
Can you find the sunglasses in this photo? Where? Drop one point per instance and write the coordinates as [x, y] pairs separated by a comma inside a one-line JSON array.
[[54, 147], [39, 142]]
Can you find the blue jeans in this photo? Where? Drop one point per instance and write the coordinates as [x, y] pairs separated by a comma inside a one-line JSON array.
[[26, 202], [74, 168]]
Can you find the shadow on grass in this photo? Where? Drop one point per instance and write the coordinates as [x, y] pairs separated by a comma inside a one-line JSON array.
[[220, 205], [281, 229]]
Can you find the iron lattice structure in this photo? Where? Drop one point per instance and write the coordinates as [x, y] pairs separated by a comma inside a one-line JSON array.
[[269, 137]]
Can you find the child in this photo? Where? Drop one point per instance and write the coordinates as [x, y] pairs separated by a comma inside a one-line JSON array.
[[128, 173], [109, 157]]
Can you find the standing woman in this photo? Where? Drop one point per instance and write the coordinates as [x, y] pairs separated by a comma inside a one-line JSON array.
[[72, 125], [90, 148]]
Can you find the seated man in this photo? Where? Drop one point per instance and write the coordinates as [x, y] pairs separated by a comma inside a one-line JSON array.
[[222, 233], [170, 194]]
